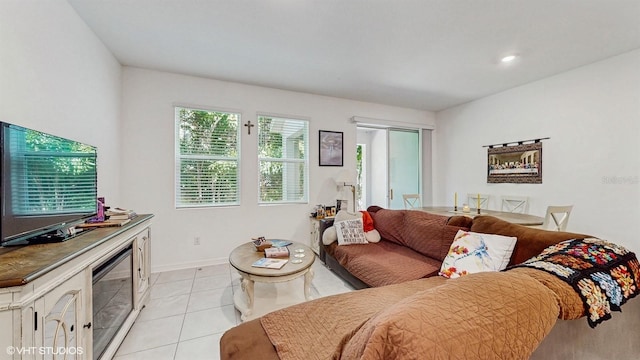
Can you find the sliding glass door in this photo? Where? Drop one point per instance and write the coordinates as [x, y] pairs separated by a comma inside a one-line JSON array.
[[404, 165], [389, 166]]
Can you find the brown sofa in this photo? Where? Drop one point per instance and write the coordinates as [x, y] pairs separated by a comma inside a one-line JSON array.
[[414, 244], [493, 315]]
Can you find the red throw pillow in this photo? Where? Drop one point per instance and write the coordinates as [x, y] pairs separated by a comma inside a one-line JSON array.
[[367, 221]]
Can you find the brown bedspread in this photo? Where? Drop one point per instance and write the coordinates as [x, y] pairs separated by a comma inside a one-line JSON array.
[[479, 316], [571, 306], [383, 263], [313, 330]]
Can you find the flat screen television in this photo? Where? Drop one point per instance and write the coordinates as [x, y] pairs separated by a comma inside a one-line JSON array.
[[48, 185]]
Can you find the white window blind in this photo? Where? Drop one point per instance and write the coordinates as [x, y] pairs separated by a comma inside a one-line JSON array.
[[207, 158], [283, 158]]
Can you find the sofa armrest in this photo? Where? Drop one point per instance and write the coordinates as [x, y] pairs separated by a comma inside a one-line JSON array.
[[247, 341], [530, 242], [324, 224]]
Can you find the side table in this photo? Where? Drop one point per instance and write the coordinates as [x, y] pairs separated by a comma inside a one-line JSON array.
[[317, 228]]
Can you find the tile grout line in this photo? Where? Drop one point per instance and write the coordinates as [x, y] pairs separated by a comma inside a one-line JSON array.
[[184, 315]]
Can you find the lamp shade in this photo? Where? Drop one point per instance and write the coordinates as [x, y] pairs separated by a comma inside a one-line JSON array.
[[345, 177]]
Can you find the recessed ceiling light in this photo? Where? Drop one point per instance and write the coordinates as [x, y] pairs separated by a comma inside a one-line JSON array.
[[508, 58]]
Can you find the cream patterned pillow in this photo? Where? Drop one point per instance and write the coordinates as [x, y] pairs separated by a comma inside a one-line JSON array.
[[475, 252], [350, 232]]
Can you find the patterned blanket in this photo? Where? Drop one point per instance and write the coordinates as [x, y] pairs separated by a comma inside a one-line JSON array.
[[605, 275]]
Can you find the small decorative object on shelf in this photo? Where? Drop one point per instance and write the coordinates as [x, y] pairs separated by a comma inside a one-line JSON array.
[[106, 223], [261, 243], [276, 252]]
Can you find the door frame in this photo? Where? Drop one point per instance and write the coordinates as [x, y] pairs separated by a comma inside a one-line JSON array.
[[424, 156]]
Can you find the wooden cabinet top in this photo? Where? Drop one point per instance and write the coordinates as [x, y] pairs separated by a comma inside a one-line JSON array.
[[21, 264]]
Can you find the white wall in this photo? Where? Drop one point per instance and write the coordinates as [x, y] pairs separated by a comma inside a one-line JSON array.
[[148, 167], [57, 77], [591, 114], [376, 165]]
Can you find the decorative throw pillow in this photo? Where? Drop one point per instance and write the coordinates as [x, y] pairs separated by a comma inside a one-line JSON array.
[[329, 235], [350, 232], [372, 236], [475, 252]]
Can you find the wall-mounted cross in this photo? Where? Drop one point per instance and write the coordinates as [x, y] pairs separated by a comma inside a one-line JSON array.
[[249, 125]]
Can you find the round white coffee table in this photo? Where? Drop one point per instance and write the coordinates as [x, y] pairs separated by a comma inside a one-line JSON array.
[[242, 257]]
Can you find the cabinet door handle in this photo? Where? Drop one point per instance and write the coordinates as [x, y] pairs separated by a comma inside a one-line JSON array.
[[87, 326], [391, 194]]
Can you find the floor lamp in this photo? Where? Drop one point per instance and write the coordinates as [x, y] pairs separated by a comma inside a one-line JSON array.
[[344, 179]]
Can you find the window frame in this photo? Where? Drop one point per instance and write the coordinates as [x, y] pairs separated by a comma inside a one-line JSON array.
[[304, 161], [179, 157]]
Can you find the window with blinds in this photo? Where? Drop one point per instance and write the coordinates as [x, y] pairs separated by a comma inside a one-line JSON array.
[[208, 157], [283, 159]]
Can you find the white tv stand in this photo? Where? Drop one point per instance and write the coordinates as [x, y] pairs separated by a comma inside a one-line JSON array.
[[46, 292]]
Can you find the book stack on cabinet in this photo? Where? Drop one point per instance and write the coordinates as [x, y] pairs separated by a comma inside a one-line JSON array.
[[120, 214]]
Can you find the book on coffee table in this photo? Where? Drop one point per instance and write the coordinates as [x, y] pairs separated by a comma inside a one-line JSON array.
[[280, 243], [270, 263]]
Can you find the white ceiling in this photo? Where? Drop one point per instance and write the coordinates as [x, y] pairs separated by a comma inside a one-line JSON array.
[[423, 54]]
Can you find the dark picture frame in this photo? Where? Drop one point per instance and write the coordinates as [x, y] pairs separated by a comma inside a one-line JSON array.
[[331, 148], [518, 164]]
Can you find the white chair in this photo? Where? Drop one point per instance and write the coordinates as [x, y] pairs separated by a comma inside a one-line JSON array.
[[515, 204], [473, 200], [411, 201], [557, 218]]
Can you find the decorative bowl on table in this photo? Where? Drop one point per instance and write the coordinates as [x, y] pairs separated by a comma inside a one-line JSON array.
[[261, 243]]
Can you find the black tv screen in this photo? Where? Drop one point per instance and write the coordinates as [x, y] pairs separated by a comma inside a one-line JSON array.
[[49, 183]]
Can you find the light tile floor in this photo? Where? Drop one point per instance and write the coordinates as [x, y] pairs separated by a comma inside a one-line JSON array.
[[190, 309]]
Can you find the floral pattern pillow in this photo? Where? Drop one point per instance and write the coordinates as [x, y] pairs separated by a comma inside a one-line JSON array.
[[475, 252]]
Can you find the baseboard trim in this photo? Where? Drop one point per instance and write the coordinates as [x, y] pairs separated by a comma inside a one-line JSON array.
[[189, 264]]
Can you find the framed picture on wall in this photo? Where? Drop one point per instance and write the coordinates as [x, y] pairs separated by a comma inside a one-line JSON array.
[[520, 164], [331, 143]]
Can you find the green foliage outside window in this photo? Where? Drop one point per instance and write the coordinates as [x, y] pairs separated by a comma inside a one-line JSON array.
[[208, 158], [282, 157]]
